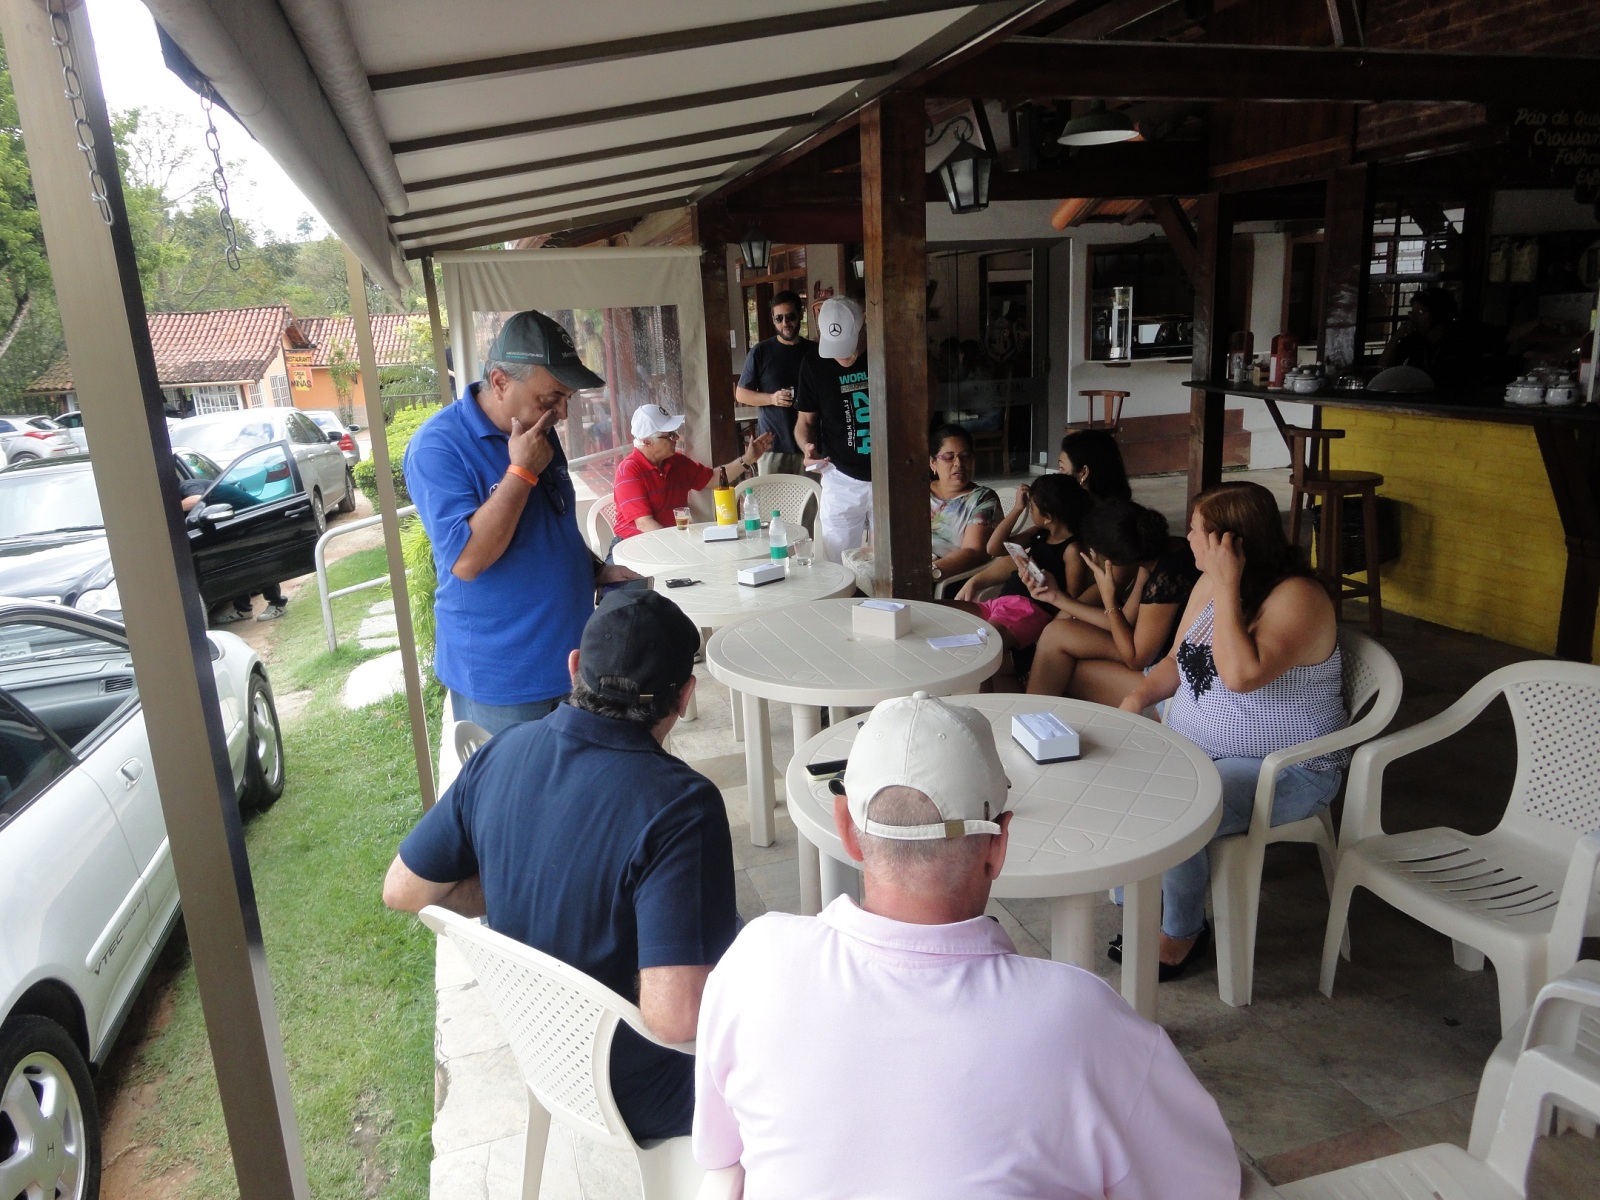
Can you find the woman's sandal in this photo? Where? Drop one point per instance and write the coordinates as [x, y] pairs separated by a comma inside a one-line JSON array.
[[1166, 972]]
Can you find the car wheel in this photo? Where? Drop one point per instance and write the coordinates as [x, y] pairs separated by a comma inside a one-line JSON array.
[[318, 513], [24, 456], [263, 763], [348, 504], [49, 1126]]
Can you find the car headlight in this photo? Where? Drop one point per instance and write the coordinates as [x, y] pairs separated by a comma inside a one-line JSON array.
[[106, 599]]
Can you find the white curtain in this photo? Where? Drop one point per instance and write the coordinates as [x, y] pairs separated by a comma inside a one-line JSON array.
[[482, 281]]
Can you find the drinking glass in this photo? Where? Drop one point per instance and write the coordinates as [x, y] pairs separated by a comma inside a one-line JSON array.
[[681, 515], [800, 551]]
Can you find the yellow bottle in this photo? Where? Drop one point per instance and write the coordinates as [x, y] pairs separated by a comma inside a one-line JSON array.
[[727, 506]]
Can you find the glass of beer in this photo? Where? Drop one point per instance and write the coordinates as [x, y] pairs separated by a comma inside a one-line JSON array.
[[681, 515]]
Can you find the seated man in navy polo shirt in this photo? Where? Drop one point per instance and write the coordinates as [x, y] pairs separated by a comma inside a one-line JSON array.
[[490, 482], [581, 837]]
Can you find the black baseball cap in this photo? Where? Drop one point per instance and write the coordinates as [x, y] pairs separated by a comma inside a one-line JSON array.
[[636, 645], [533, 338]]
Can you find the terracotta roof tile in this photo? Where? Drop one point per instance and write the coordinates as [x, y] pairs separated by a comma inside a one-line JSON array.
[[391, 340], [230, 345]]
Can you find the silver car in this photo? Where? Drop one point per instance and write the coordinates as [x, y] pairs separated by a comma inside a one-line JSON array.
[[224, 436], [24, 439], [337, 432]]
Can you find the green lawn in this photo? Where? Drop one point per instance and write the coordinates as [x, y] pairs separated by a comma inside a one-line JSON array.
[[353, 981]]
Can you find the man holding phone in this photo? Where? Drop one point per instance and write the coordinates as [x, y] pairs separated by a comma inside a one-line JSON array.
[[516, 579]]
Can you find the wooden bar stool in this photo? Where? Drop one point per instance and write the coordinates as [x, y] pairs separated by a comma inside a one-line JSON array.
[[1111, 408], [1311, 478]]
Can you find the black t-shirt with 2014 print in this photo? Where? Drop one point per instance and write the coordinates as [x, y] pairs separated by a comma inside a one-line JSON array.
[[838, 395]]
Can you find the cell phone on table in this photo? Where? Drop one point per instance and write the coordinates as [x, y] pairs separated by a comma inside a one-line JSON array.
[[825, 768], [1026, 567], [628, 585]]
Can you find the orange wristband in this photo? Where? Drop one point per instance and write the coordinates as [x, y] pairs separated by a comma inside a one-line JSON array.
[[522, 473]]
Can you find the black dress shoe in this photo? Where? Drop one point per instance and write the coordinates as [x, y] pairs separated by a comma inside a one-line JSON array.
[[1166, 972], [1169, 971]]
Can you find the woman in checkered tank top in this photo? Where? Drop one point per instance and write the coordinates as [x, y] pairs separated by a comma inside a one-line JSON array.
[[1256, 670]]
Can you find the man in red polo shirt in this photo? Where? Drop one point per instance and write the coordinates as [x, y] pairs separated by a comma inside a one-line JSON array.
[[655, 478]]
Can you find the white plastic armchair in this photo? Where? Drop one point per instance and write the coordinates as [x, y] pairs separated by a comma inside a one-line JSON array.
[[1566, 1015], [1446, 1171], [560, 1023], [1522, 894], [458, 741], [1371, 682], [794, 496], [600, 524]]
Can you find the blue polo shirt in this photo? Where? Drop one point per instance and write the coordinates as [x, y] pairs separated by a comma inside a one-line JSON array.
[[599, 848], [504, 637]]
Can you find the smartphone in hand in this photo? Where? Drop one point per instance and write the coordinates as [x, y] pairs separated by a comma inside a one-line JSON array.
[[1026, 567]]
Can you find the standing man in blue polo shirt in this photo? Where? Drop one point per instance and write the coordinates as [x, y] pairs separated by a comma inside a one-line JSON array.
[[490, 481], [580, 836]]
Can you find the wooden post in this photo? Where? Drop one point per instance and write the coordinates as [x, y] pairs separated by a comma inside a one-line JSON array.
[[711, 231], [103, 317], [1213, 322], [1347, 227], [388, 510], [895, 224]]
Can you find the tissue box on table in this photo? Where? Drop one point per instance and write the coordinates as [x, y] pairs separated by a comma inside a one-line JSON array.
[[1045, 737], [881, 618]]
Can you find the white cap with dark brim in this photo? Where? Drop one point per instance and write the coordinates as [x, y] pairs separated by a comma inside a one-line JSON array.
[[945, 751]]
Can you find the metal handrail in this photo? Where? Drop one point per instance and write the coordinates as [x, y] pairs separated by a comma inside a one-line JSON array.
[[324, 594]]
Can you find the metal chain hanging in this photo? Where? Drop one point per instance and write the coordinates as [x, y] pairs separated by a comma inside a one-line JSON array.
[[61, 39], [219, 180]]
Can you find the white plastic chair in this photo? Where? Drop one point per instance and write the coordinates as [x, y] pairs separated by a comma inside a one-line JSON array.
[[1523, 894], [600, 524], [560, 1023], [791, 495], [1372, 682], [458, 741], [1565, 1015], [1447, 1172]]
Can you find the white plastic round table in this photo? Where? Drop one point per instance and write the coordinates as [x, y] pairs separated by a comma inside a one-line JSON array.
[[718, 598], [1140, 799], [810, 657], [684, 550]]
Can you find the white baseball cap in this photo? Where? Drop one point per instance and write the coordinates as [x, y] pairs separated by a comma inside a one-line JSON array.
[[650, 420], [839, 322], [945, 751]]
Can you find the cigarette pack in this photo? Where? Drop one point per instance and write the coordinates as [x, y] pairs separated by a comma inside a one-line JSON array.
[[1045, 736]]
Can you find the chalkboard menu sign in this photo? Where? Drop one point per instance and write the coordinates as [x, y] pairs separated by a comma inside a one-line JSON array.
[[1564, 142]]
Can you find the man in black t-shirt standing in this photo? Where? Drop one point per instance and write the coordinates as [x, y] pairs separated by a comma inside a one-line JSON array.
[[835, 426], [768, 381]]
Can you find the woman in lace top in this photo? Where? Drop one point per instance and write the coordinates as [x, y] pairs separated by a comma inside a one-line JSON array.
[[1102, 639], [1256, 671]]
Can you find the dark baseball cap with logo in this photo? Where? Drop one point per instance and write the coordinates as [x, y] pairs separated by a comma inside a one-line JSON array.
[[637, 645], [533, 338]]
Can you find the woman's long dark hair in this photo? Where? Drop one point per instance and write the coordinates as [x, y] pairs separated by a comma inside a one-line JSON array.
[[1125, 533], [1061, 498], [1250, 512], [1098, 450]]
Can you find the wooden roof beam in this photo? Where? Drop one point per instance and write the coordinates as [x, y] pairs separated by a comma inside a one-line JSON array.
[[1038, 68], [617, 49], [646, 108]]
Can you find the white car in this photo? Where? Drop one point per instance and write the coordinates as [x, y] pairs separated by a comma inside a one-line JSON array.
[[224, 436], [24, 439], [87, 890]]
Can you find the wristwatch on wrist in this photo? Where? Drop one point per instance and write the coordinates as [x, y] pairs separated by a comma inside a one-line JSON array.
[[937, 574]]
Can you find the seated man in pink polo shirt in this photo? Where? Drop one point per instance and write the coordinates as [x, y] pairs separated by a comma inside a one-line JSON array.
[[904, 1047], [655, 478]]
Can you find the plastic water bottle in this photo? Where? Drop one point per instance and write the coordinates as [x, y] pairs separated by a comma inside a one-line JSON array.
[[778, 540], [750, 513]]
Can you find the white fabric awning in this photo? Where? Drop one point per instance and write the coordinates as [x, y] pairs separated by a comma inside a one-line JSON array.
[[415, 126]]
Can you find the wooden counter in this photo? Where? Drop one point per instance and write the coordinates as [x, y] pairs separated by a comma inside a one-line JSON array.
[[1479, 467]]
